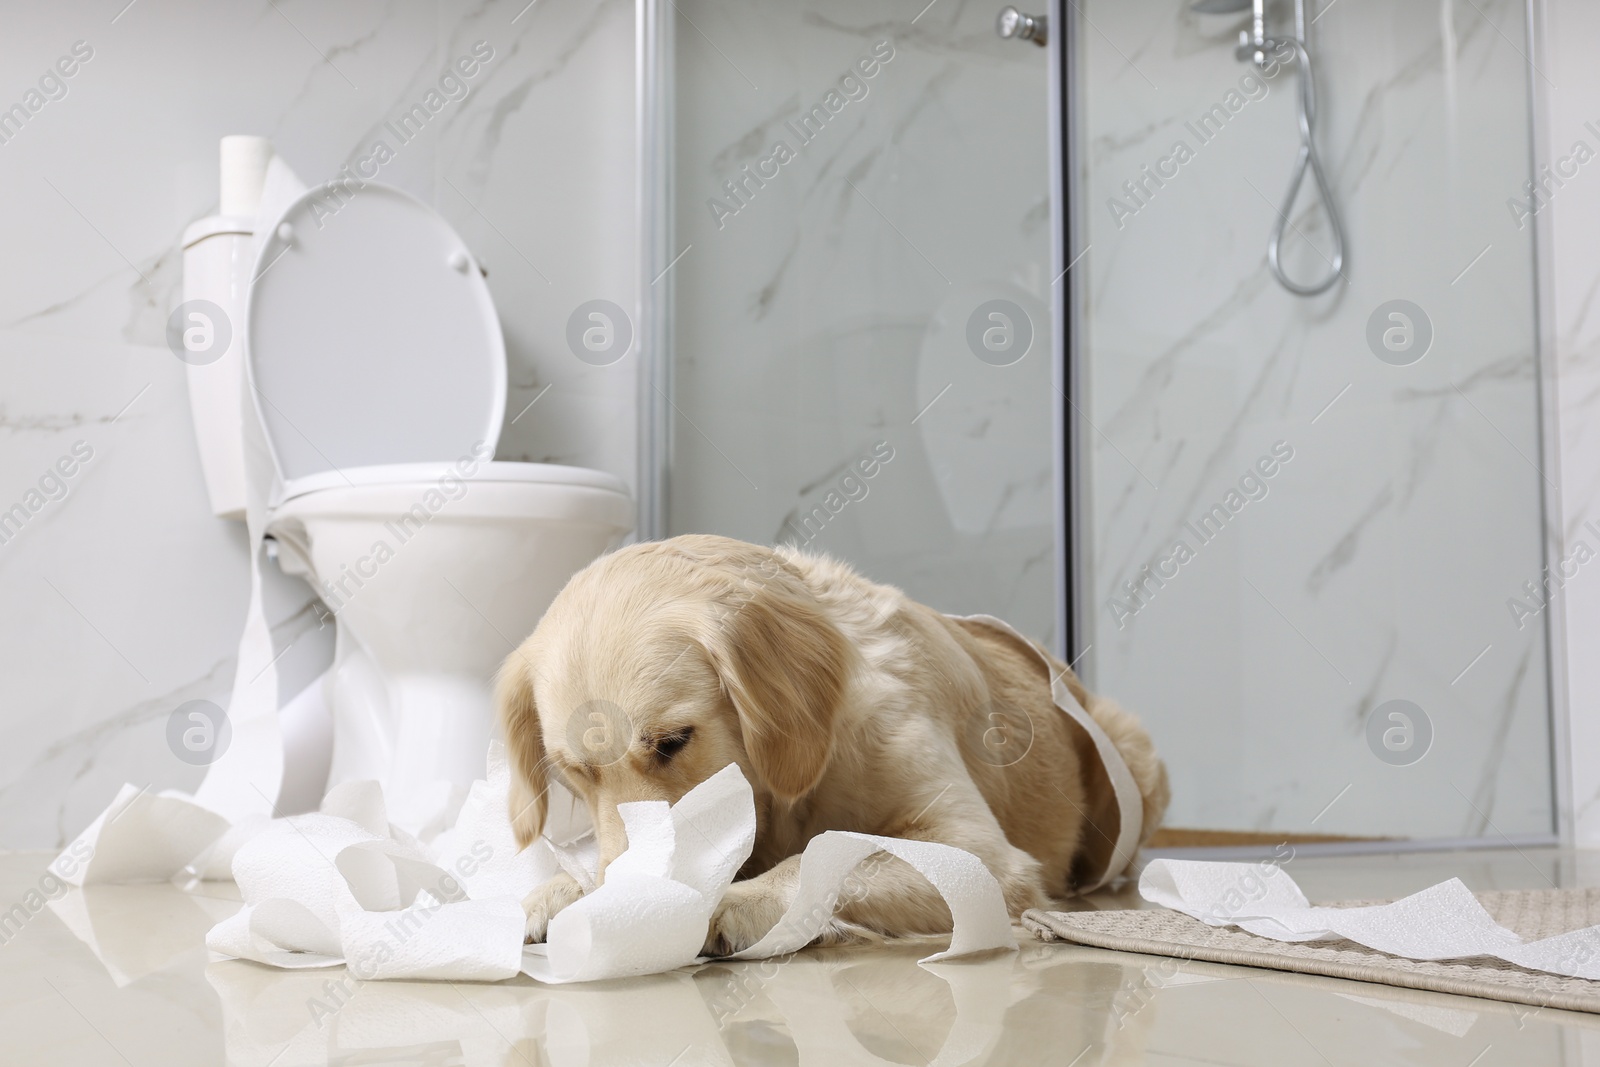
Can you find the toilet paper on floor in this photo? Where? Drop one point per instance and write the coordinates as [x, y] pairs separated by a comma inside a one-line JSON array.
[[140, 837], [1442, 922], [653, 911], [974, 897], [342, 885]]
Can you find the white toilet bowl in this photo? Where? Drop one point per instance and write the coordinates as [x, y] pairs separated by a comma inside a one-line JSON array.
[[432, 578], [376, 367]]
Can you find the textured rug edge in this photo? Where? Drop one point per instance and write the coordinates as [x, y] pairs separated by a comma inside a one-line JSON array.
[[1040, 924]]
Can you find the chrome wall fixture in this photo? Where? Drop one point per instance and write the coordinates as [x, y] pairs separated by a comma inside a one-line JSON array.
[[1255, 46], [1013, 24]]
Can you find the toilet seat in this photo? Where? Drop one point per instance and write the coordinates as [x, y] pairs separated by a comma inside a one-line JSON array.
[[519, 491], [419, 474], [370, 337]]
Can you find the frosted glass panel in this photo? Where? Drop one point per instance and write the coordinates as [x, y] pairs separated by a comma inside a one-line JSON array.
[[851, 190], [1326, 531]]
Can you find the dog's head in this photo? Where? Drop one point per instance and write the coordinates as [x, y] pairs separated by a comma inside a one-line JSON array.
[[659, 665]]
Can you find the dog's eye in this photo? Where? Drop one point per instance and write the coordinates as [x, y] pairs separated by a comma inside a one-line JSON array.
[[672, 744]]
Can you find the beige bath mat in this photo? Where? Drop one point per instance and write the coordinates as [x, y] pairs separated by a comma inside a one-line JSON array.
[[1534, 914]]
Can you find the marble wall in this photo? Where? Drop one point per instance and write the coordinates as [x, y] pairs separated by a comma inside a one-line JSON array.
[[853, 183], [1401, 516], [124, 596]]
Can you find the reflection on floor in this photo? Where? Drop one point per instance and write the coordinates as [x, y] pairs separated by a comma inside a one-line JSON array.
[[120, 974]]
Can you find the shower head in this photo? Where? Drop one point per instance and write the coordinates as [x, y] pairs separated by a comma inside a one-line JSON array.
[[1219, 7]]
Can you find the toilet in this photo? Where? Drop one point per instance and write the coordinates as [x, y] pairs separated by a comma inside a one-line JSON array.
[[367, 339]]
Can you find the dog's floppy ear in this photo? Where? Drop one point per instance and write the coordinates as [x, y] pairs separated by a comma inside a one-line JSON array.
[[784, 664], [519, 721]]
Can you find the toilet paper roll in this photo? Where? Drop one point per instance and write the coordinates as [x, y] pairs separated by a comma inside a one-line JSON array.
[[1442, 922], [244, 172]]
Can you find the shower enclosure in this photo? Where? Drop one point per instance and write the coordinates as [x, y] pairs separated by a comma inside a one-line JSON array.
[[996, 323]]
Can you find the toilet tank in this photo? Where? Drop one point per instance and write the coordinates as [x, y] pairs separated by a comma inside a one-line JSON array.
[[206, 331]]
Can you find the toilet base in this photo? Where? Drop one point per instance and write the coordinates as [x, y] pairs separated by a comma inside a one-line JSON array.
[[422, 736]]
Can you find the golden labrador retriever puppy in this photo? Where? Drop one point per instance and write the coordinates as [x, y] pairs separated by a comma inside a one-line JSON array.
[[846, 705]]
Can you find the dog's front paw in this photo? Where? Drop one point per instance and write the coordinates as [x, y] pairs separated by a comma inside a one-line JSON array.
[[543, 903], [747, 911]]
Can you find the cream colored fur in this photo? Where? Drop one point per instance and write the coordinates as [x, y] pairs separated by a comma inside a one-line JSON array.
[[847, 706]]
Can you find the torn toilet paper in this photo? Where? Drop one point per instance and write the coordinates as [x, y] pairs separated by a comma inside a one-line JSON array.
[[140, 837], [1440, 923], [343, 885], [273, 736]]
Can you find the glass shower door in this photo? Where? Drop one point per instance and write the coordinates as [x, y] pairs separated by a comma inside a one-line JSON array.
[[855, 293], [1312, 528]]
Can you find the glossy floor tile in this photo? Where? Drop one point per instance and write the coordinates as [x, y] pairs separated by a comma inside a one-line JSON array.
[[120, 975]]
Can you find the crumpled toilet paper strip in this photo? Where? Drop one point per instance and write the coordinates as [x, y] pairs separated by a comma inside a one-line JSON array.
[[1440, 923], [974, 897], [653, 910], [140, 837], [343, 886]]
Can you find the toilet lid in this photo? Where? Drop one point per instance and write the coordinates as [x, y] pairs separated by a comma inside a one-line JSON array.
[[370, 336]]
